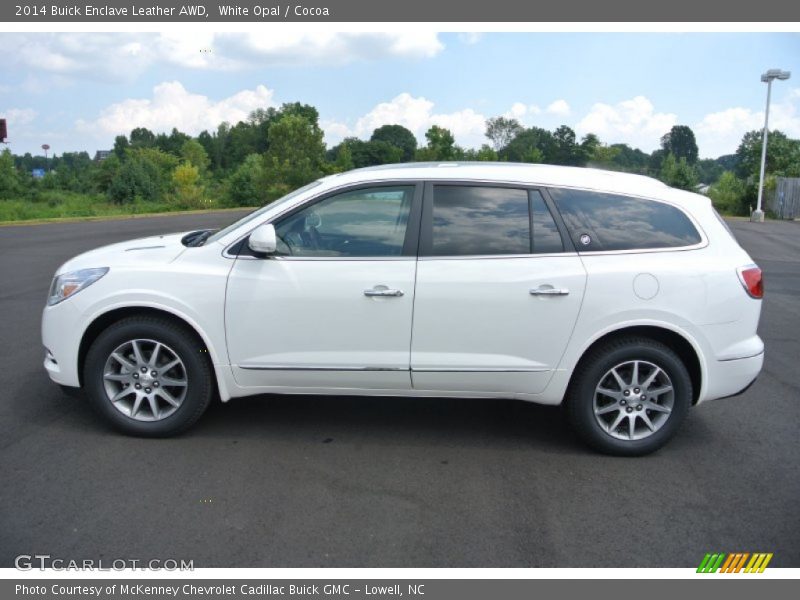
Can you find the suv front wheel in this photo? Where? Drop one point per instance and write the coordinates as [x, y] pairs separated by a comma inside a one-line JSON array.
[[148, 376], [628, 397]]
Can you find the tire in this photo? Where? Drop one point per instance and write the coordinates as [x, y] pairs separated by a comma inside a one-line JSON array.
[[169, 399], [601, 406]]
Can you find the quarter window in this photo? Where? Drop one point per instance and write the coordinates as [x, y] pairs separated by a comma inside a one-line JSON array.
[[478, 220], [368, 222], [600, 221]]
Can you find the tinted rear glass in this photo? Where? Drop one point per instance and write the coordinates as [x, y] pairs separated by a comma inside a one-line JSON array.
[[600, 221], [476, 220]]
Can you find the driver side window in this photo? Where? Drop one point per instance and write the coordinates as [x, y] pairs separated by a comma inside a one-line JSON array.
[[359, 223]]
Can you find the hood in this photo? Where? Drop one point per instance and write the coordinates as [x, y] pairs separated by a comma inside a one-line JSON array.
[[155, 250]]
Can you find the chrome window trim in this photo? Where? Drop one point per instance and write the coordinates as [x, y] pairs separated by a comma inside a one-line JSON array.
[[317, 197], [701, 232], [704, 242], [500, 256]]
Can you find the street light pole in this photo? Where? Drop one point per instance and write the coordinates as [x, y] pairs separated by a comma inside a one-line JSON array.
[[768, 78]]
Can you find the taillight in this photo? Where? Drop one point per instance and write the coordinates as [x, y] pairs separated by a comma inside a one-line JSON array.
[[751, 279]]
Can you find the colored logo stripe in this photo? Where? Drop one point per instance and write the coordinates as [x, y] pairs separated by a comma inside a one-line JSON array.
[[734, 563]]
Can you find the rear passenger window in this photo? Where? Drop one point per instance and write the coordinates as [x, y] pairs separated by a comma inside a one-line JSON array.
[[546, 237], [599, 221], [477, 220]]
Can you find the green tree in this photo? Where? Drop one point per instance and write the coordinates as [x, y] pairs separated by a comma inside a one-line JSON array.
[[134, 180], [681, 143], [296, 154], [343, 158], [145, 174], [188, 191], [397, 136], [441, 145], [530, 145], [9, 181], [566, 150], [173, 142], [245, 186], [141, 137], [104, 173], [678, 173], [728, 194], [501, 130], [121, 144], [193, 152], [484, 153], [373, 152], [783, 155]]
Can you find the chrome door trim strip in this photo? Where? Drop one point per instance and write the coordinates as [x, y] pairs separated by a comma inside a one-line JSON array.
[[248, 367], [478, 370]]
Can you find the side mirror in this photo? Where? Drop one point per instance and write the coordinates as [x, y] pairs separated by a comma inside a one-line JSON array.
[[263, 239]]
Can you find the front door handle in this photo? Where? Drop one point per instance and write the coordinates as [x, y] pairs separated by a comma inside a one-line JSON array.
[[381, 291], [549, 291]]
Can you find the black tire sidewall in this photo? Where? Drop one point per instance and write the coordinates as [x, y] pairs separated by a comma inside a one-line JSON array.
[[192, 354], [581, 408]]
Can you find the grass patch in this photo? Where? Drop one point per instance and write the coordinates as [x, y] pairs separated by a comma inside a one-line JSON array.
[[54, 205]]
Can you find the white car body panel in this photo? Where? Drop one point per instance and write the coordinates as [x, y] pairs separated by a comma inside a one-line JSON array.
[[256, 314]]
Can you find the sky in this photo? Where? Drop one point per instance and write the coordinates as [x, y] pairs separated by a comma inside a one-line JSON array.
[[77, 91]]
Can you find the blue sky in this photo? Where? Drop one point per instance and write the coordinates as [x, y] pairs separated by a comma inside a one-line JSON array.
[[77, 91]]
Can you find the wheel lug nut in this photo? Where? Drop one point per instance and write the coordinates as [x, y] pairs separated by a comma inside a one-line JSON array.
[[638, 407], [627, 392], [153, 373], [138, 386], [136, 376], [147, 390], [636, 390], [642, 397], [629, 409], [144, 369], [622, 402], [155, 384]]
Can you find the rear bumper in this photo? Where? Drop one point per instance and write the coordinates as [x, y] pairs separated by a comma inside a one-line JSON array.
[[727, 378]]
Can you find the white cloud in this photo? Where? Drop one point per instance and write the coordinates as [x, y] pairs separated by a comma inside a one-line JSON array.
[[470, 37], [415, 113], [633, 122], [173, 106], [19, 116], [559, 108], [520, 111], [122, 56], [720, 132]]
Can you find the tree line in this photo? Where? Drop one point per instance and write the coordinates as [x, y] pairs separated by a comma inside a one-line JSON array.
[[276, 150]]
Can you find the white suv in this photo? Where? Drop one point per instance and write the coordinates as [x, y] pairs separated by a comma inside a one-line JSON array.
[[624, 299]]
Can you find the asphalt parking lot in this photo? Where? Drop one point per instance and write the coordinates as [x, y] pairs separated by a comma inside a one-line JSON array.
[[360, 482]]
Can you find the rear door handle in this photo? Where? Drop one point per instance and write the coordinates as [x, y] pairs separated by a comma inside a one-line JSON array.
[[383, 291], [549, 291]]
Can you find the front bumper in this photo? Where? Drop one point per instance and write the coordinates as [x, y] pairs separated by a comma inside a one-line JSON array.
[[61, 337]]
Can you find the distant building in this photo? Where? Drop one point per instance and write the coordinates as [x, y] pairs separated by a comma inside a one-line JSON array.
[[702, 188], [37, 173], [101, 155]]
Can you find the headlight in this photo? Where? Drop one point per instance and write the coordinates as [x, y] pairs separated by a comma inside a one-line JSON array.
[[68, 284]]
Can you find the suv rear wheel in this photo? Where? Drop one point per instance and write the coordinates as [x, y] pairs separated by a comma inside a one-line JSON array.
[[628, 397]]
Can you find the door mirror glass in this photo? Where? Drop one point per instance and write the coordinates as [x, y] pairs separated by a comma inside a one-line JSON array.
[[263, 239]]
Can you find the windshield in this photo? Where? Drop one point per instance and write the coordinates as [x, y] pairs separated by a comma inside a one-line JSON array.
[[260, 211]]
